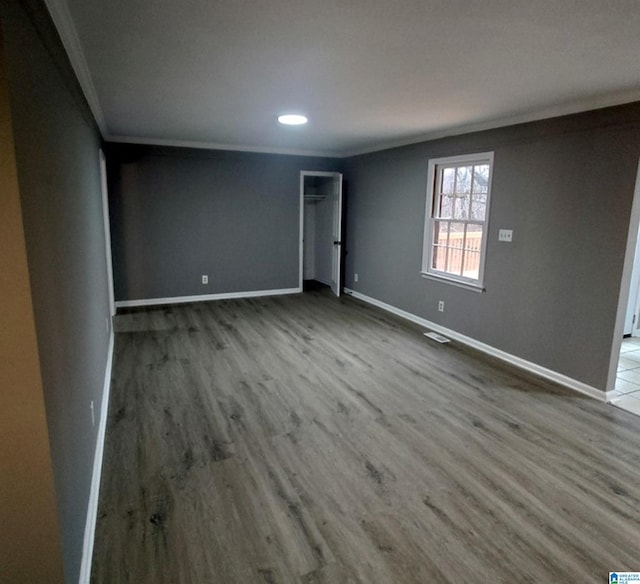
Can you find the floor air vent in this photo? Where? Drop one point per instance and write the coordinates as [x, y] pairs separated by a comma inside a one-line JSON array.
[[437, 337]]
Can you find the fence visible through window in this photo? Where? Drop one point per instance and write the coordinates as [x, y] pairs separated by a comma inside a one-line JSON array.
[[457, 251]]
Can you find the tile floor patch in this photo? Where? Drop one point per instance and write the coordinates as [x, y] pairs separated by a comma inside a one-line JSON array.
[[627, 388]]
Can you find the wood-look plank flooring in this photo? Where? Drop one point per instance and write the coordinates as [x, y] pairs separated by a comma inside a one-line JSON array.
[[306, 439]]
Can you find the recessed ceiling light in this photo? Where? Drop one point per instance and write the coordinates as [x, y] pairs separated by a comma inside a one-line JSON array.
[[292, 119]]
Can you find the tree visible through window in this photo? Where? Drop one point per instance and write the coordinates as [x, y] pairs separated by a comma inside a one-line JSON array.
[[457, 217]]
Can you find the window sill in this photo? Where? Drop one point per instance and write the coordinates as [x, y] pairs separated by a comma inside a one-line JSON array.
[[445, 280]]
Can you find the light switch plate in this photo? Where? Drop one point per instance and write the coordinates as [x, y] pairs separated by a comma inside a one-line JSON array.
[[505, 235]]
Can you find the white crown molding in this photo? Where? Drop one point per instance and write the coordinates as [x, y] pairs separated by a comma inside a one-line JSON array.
[[566, 109], [61, 16], [219, 146], [519, 362], [63, 21]]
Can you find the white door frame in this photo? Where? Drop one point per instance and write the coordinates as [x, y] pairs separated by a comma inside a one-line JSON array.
[[631, 327], [336, 253], [625, 284], [635, 324], [107, 230], [337, 257]]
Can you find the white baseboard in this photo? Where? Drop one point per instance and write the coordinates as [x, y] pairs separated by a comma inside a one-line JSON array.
[[204, 297], [94, 495], [489, 350], [610, 395]]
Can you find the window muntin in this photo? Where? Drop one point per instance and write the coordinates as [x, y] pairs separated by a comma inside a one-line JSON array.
[[457, 218]]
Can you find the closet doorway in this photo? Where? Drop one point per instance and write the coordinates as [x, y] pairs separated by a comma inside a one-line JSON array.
[[321, 229]]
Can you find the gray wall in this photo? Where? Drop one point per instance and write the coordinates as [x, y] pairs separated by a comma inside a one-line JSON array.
[[58, 171], [180, 213], [565, 186]]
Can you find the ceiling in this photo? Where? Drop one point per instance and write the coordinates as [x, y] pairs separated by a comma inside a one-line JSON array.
[[368, 73]]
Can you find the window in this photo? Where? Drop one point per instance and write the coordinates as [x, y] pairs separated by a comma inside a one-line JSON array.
[[457, 217]]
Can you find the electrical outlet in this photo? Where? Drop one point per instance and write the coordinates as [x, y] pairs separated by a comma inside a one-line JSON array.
[[93, 414], [205, 279], [441, 306], [355, 277], [505, 235]]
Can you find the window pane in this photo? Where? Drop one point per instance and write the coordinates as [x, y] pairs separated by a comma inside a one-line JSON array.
[[478, 207], [455, 253], [439, 255], [474, 237], [454, 265], [448, 175], [461, 207], [463, 179], [439, 258], [481, 178], [446, 207], [440, 231], [471, 268], [456, 234]]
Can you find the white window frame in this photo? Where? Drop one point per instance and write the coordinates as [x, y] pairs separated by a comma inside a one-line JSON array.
[[430, 219]]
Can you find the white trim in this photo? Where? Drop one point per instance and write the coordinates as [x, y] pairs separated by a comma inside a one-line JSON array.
[[327, 173], [587, 105], [488, 349], [625, 283], [632, 304], [94, 495], [205, 297], [64, 23], [61, 17], [611, 395], [459, 283], [301, 236], [338, 249], [218, 146], [336, 261], [107, 230], [576, 107]]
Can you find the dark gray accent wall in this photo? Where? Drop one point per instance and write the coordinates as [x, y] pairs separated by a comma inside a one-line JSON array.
[[59, 179], [179, 213], [565, 186]]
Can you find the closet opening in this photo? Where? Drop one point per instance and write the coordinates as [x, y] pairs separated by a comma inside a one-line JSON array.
[[321, 230]]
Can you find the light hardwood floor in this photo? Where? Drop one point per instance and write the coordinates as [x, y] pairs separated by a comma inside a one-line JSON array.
[[305, 439]]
